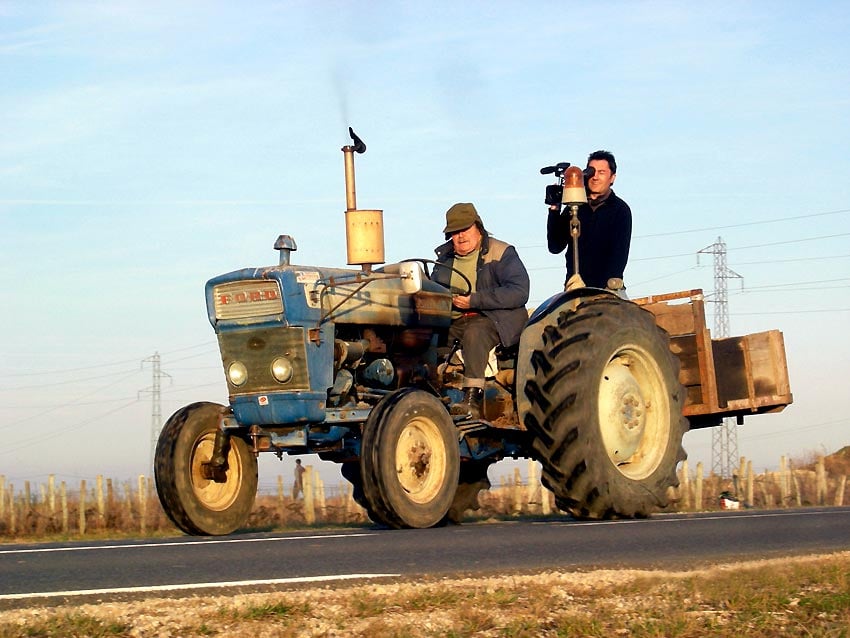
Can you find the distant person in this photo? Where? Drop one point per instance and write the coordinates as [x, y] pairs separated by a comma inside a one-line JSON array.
[[298, 486], [605, 232], [493, 311]]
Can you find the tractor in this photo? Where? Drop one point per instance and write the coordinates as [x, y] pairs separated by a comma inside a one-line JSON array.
[[353, 364]]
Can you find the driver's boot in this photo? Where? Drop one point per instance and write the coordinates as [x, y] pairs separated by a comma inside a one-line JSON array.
[[475, 398], [472, 404]]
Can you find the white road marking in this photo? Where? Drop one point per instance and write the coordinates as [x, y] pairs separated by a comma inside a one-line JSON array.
[[685, 518], [40, 550], [167, 588]]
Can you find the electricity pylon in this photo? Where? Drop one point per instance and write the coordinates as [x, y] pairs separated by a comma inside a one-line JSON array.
[[724, 438], [156, 404]]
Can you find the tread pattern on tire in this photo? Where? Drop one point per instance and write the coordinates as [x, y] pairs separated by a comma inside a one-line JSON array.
[[563, 412]]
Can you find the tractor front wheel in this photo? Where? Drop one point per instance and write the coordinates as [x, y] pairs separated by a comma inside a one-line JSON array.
[[196, 501]]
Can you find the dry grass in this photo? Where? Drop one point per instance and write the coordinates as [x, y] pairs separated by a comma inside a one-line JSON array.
[[807, 596]]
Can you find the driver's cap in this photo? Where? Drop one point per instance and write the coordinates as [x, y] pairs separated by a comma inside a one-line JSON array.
[[460, 217]]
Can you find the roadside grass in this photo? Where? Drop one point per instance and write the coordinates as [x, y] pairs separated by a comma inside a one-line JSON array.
[[75, 625], [804, 596]]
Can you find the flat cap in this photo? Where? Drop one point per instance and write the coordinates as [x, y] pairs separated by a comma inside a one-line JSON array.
[[460, 217]]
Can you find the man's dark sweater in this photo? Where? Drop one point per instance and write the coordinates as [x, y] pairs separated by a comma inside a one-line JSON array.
[[603, 242]]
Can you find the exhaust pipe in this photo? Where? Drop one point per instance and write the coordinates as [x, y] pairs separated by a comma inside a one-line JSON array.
[[364, 229]]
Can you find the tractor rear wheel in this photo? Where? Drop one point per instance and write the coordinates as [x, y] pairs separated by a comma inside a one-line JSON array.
[[194, 502], [604, 403], [409, 460]]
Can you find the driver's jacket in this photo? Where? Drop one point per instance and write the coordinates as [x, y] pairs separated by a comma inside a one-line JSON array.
[[501, 288]]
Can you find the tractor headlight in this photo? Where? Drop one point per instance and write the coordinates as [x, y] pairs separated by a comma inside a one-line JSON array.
[[237, 373], [282, 369]]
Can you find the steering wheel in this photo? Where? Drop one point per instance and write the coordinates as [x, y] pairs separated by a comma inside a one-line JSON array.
[[457, 291]]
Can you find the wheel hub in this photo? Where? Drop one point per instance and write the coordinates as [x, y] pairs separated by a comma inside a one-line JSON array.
[[634, 412], [419, 462], [215, 494], [622, 411], [419, 457]]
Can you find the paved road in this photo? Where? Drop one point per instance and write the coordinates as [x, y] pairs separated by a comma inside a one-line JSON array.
[[34, 574]]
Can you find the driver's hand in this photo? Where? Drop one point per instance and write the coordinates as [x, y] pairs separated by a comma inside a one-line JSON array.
[[461, 302]]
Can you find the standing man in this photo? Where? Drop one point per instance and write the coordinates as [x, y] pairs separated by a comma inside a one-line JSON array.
[[298, 486], [488, 310], [605, 233]]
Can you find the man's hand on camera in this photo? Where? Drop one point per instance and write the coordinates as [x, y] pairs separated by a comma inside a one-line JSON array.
[[554, 193]]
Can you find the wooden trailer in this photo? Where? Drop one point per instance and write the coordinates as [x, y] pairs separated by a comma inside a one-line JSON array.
[[726, 377]]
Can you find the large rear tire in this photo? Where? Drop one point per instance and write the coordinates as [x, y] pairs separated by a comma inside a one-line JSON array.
[[409, 460], [602, 397], [196, 504]]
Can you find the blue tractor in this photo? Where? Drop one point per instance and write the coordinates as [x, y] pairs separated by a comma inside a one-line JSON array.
[[354, 365]]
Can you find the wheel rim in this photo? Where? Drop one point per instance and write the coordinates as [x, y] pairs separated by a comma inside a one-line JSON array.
[[420, 460], [215, 496], [634, 410]]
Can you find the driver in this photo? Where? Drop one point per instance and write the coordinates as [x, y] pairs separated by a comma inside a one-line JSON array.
[[490, 286]]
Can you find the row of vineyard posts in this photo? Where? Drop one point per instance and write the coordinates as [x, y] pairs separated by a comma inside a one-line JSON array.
[[104, 506]]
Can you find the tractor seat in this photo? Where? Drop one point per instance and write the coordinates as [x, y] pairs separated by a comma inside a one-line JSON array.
[[506, 356]]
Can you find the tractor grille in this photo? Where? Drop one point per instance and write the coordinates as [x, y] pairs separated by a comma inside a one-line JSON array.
[[257, 349], [240, 299]]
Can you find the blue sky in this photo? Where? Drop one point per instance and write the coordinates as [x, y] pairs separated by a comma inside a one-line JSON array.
[[148, 146]]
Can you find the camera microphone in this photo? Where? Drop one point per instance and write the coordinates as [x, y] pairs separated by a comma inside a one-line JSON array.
[[557, 168]]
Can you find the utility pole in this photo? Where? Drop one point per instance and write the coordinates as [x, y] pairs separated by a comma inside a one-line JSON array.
[[156, 404], [724, 438]]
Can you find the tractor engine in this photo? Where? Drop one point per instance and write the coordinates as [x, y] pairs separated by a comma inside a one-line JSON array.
[[297, 340]]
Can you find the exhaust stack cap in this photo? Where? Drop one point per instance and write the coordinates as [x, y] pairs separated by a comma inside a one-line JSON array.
[[286, 245], [364, 229]]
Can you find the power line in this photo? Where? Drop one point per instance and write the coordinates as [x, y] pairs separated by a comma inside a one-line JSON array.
[[669, 274], [792, 284], [199, 354], [791, 241], [73, 403], [59, 406], [789, 260], [739, 225], [797, 429], [40, 437], [777, 243], [59, 371], [767, 245], [743, 224], [790, 312], [52, 384]]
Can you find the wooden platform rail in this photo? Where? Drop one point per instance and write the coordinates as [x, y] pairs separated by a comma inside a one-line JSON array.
[[726, 377]]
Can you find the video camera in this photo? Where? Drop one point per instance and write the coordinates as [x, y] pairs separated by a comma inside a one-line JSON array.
[[554, 192]]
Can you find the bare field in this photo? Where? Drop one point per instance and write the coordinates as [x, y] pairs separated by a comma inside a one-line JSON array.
[[799, 596]]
